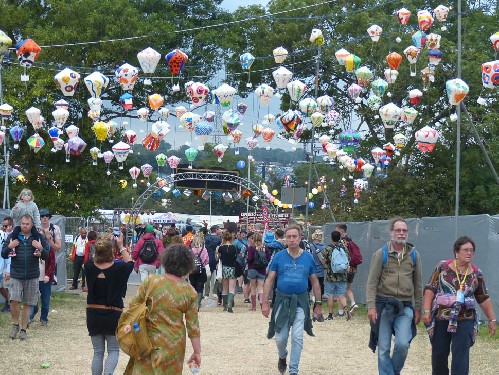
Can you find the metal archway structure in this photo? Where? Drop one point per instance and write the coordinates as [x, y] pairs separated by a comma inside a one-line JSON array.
[[168, 182]]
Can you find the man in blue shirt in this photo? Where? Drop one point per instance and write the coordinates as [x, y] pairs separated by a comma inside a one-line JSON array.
[[291, 270]]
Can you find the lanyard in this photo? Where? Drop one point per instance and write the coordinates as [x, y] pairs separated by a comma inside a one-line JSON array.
[[461, 283], [401, 257]]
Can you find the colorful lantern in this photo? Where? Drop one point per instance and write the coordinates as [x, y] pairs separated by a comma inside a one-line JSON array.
[[425, 20], [349, 140], [220, 151], [130, 137], [354, 91], [433, 41], [307, 106], [236, 136], [76, 145], [379, 87], [121, 151], [35, 142], [161, 160], [325, 103], [94, 154], [412, 55], [363, 75], [290, 120], [191, 154], [127, 75], [27, 51], [368, 170], [108, 157], [341, 55], [374, 102], [198, 92], [280, 54], [296, 90], [415, 96], [251, 143], [146, 171], [189, 120], [494, 39], [419, 39], [174, 161], [176, 60], [377, 153], [148, 60], [331, 118], [400, 140], [264, 93], [267, 135], [67, 80], [490, 74], [434, 55], [72, 131], [180, 111], [390, 115], [5, 43], [457, 90], [127, 101], [143, 114], [409, 115], [426, 139], [282, 76], [316, 37], [317, 119], [394, 59], [352, 62], [134, 173], [96, 84], [101, 130], [156, 101], [241, 108], [230, 121], [5, 109], [403, 16], [224, 95], [374, 32], [391, 75], [60, 117]]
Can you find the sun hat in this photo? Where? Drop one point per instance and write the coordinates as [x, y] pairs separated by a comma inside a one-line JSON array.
[[269, 237]]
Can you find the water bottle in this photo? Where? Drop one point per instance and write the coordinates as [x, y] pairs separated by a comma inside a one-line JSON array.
[[193, 366], [136, 327]]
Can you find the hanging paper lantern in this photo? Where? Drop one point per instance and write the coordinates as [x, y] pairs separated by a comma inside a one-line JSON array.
[[457, 90], [433, 41], [150, 142], [409, 115], [400, 140], [58, 145], [415, 96], [377, 153], [419, 39], [94, 154], [264, 93], [354, 91], [27, 51], [331, 150], [108, 157], [490, 74], [331, 118], [403, 16], [394, 59], [307, 106], [390, 115], [434, 55], [76, 145], [363, 75], [130, 136], [391, 75], [494, 39], [368, 170], [67, 80], [251, 143], [96, 84], [257, 130], [359, 163], [412, 55], [269, 119], [163, 113], [143, 114], [54, 133], [246, 60], [349, 140], [282, 77], [35, 142], [198, 92], [148, 60], [134, 173], [341, 55], [95, 104], [324, 139], [61, 104], [33, 114], [156, 101], [389, 149], [379, 87], [236, 136], [441, 12], [176, 60], [100, 129], [325, 103], [230, 121], [203, 129], [191, 154], [352, 62], [146, 171], [127, 75], [425, 20], [426, 139], [316, 37], [189, 120], [60, 117], [280, 54], [290, 120], [241, 164], [180, 111], [220, 151], [5, 43], [374, 102], [72, 131], [224, 95], [374, 32], [121, 151], [5, 109], [127, 101], [241, 108], [161, 160], [267, 135], [174, 161], [317, 119], [296, 90]]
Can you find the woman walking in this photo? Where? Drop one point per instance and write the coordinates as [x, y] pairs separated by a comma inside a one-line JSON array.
[[198, 277], [106, 281], [258, 260], [227, 252]]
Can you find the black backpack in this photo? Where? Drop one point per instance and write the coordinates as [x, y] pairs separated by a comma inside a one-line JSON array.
[[149, 252], [198, 269], [260, 260]]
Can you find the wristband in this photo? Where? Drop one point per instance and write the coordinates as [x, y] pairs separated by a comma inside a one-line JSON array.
[[493, 320], [426, 311], [317, 304], [123, 249]]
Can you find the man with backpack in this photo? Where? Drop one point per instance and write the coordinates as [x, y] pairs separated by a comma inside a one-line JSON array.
[[394, 281], [335, 262], [146, 253], [355, 261]]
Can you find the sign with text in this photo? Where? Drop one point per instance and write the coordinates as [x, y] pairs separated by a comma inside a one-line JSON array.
[[259, 217]]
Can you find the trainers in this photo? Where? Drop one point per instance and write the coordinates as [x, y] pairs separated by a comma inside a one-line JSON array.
[[329, 317], [5, 309], [23, 335], [247, 300], [281, 365], [14, 331], [43, 323], [353, 308]]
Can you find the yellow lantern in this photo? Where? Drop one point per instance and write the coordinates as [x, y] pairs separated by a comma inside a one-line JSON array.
[[275, 192], [319, 189], [100, 129]]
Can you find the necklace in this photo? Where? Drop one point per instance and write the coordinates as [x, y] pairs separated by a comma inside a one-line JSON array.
[[295, 257]]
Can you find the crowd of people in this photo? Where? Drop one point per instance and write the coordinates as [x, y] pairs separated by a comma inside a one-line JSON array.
[[278, 271]]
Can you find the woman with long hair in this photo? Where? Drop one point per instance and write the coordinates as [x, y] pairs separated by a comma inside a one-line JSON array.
[[106, 282], [258, 259], [198, 277], [171, 301], [227, 252]]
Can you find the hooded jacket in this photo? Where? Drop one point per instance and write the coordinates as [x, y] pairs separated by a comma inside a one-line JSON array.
[[138, 246]]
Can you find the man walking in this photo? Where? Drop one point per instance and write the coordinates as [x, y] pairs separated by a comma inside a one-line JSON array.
[[394, 280], [291, 270], [354, 262], [8, 225], [79, 251], [24, 271], [146, 253]]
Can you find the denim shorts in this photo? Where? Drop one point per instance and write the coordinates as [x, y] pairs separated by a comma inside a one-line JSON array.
[[335, 288], [255, 275]]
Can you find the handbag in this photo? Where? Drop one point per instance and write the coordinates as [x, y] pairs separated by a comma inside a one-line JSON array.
[[219, 271], [445, 300]]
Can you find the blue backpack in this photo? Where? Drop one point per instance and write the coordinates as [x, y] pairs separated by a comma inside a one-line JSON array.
[[385, 255], [339, 260]]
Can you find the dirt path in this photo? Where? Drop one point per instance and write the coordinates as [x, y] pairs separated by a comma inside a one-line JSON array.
[[231, 344]]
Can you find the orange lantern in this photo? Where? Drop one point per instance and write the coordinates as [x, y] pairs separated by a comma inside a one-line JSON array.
[[246, 193], [156, 101], [394, 59]]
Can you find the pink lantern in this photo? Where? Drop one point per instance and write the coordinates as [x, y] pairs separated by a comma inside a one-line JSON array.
[[427, 138], [134, 173], [146, 171], [173, 161], [220, 151]]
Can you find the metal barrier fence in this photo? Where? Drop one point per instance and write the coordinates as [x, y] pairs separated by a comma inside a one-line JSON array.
[[73, 225]]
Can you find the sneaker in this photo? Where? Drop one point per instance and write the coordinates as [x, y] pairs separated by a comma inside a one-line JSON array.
[[14, 331], [281, 365], [338, 315], [247, 300], [329, 317], [23, 335], [353, 308], [5, 309], [43, 323]]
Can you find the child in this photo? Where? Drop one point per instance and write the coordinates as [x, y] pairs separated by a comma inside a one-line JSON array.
[[26, 206]]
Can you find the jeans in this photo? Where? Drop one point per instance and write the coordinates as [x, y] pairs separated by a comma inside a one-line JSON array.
[[77, 267], [45, 292], [281, 339], [145, 270], [401, 324], [113, 352], [441, 347]]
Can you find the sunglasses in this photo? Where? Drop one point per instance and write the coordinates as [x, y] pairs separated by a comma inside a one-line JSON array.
[[44, 216], [5, 226]]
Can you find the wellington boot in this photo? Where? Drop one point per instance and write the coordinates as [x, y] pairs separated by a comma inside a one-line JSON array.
[[224, 299], [230, 302]]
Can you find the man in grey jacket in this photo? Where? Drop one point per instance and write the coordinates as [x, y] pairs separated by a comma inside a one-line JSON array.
[[24, 272]]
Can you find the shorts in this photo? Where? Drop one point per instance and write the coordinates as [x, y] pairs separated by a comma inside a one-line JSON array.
[[25, 291], [228, 272], [246, 280], [255, 275], [335, 288], [350, 277]]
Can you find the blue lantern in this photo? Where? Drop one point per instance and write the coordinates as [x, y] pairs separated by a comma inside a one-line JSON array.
[[311, 204], [176, 193], [241, 164]]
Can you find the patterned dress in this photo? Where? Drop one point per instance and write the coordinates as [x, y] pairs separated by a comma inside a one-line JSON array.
[[169, 301]]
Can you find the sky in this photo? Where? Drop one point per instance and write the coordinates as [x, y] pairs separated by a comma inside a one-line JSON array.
[[232, 5]]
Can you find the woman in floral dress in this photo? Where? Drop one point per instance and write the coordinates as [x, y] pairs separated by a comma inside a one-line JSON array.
[[170, 300]]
